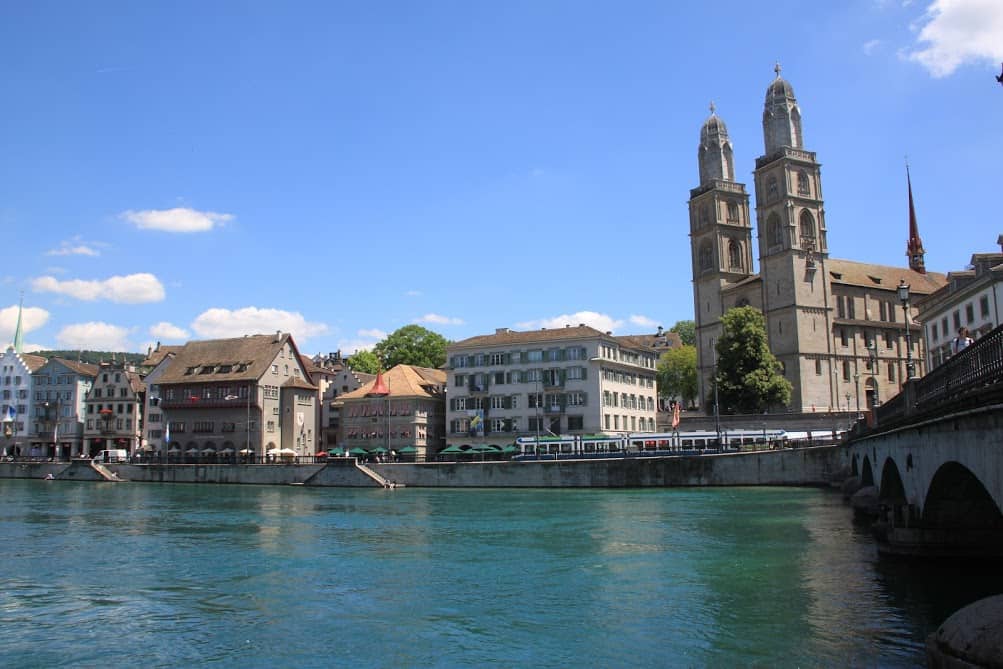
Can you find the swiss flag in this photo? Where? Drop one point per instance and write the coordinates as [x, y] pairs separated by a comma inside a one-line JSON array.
[[675, 416]]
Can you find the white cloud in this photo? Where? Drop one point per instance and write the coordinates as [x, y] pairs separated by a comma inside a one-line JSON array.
[[413, 293], [32, 318], [439, 320], [69, 249], [643, 321], [958, 32], [131, 289], [220, 323], [179, 219], [373, 334], [591, 318], [168, 331], [94, 336], [869, 47]]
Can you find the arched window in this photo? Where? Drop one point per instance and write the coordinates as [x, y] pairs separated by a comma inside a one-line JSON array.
[[807, 225], [734, 255], [772, 192], [774, 232], [803, 188], [706, 256]]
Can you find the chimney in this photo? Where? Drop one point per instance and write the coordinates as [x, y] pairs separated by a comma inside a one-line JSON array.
[[659, 330], [278, 337], [499, 331]]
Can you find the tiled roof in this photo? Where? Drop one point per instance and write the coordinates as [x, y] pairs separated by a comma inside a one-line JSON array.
[[33, 362], [882, 277], [656, 342], [248, 358], [82, 368], [511, 337], [403, 381], [297, 382], [636, 341], [155, 357]]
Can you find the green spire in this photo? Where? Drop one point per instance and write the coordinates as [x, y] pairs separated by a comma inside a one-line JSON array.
[[18, 335]]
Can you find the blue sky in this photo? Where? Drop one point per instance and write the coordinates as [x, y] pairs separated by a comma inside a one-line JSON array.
[[191, 170]]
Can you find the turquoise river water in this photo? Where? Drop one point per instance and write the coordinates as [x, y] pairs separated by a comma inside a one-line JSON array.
[[246, 576]]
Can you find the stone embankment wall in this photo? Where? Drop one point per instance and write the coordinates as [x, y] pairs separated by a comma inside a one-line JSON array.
[[809, 466]]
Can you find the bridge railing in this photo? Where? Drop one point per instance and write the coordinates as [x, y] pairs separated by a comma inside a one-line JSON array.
[[966, 373]]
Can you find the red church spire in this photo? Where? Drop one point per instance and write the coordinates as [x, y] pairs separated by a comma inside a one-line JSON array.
[[914, 249]]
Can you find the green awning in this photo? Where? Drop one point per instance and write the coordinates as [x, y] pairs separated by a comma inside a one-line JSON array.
[[357, 451], [379, 449], [408, 449], [484, 448], [452, 449], [510, 448]]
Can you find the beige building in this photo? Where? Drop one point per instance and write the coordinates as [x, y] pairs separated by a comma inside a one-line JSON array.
[[399, 413], [113, 417], [224, 396], [836, 326], [571, 380], [59, 407]]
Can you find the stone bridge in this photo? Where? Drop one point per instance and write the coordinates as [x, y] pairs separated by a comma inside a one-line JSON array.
[[934, 453]]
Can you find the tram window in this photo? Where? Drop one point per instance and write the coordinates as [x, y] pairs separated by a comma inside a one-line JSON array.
[[686, 442]]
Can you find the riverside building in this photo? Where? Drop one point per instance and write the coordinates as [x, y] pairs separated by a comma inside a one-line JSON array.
[[571, 380]]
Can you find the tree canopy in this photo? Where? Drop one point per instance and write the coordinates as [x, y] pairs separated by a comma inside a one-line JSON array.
[[687, 331], [364, 361], [677, 374], [412, 345], [748, 375]]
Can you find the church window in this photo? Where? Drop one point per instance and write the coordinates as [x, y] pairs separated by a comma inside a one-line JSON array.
[[803, 188], [732, 211], [734, 256], [774, 232], [772, 191], [706, 255], [807, 228]]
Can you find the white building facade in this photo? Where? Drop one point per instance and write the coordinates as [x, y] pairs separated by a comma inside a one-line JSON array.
[[573, 380]]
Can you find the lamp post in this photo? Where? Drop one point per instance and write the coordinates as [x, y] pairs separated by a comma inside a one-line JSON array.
[[856, 388], [872, 351], [903, 292], [717, 409]]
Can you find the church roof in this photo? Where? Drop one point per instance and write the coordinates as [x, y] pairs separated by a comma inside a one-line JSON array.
[[882, 277]]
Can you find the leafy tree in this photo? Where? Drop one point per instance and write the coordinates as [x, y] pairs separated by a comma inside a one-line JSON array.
[[412, 345], [748, 375], [677, 374], [687, 331], [366, 362]]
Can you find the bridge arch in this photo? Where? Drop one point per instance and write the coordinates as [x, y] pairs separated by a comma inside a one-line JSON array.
[[866, 472], [957, 498]]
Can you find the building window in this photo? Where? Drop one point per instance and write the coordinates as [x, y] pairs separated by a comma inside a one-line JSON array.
[[846, 370], [606, 421], [840, 306], [984, 306], [970, 313], [534, 356], [818, 368], [576, 423], [772, 191], [957, 320], [706, 255], [734, 255], [882, 310], [933, 332], [732, 212], [891, 371], [807, 228], [774, 231], [803, 188]]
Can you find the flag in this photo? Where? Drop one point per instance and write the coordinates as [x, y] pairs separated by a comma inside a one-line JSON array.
[[167, 435], [10, 414], [675, 416]]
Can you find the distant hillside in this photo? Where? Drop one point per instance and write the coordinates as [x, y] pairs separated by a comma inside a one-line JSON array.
[[93, 357]]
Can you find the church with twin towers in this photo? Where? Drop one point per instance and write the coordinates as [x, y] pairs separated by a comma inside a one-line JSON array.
[[837, 327]]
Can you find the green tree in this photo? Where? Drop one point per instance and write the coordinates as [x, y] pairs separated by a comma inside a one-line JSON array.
[[687, 331], [677, 374], [412, 345], [748, 376], [366, 362]]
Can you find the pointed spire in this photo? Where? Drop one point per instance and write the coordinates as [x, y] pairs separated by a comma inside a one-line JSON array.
[[379, 388], [914, 249], [18, 333]]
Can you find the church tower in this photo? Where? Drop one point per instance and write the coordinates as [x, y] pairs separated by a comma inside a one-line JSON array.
[[914, 248], [720, 240], [793, 252]]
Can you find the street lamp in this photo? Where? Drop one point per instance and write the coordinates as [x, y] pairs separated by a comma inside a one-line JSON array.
[[856, 388], [903, 292], [872, 351]]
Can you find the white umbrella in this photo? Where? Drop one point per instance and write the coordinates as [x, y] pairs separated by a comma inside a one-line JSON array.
[[192, 451], [226, 451], [287, 452], [274, 451], [246, 451], [209, 451], [174, 450]]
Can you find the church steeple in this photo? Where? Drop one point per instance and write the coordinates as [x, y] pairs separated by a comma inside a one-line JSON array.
[[715, 155], [781, 116], [18, 334], [914, 248]]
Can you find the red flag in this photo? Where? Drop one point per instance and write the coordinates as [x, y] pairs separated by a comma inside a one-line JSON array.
[[675, 416]]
